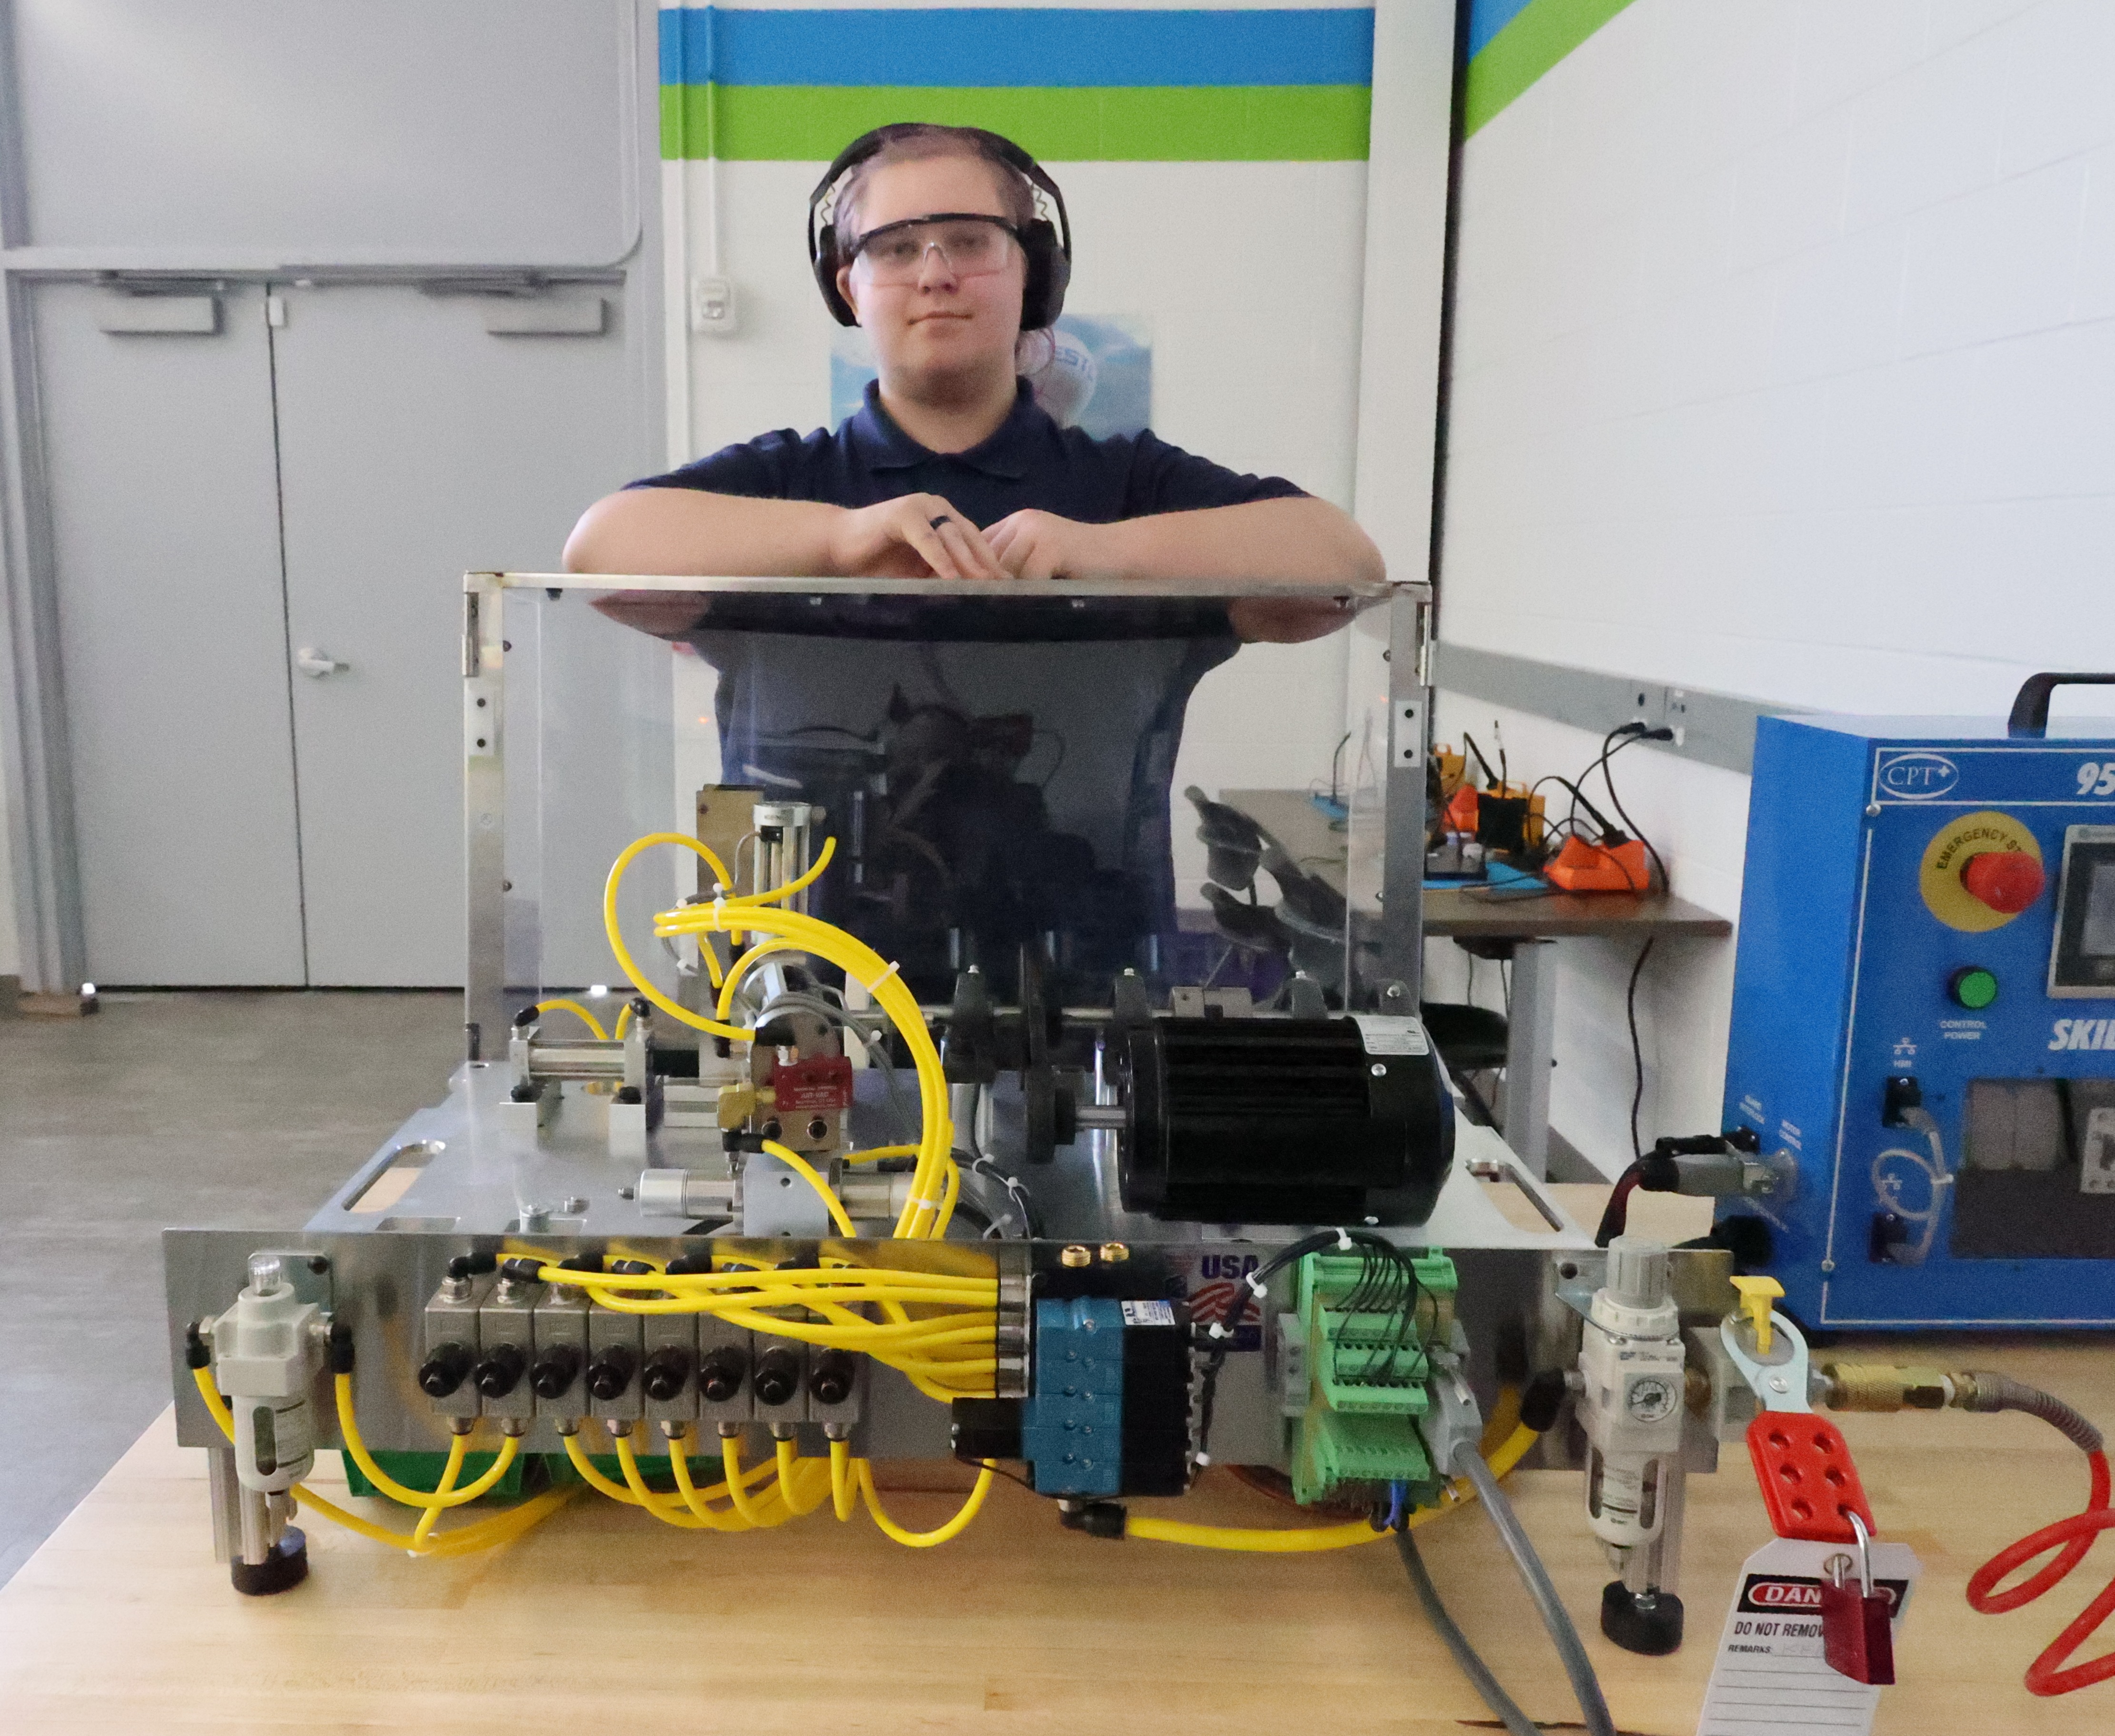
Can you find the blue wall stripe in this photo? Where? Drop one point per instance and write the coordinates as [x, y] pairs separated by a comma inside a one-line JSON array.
[[1487, 17], [1016, 48]]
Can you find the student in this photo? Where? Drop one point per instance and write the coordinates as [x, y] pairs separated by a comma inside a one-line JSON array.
[[945, 243]]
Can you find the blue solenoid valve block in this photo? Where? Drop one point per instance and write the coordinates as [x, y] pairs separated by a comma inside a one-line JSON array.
[[1071, 1426], [1108, 1407]]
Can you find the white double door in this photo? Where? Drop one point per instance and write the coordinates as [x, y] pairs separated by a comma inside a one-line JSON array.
[[258, 532]]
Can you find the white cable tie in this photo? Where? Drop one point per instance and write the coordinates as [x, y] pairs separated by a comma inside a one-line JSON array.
[[871, 986], [930, 1205], [1203, 1460], [1218, 1330], [719, 904], [1255, 1290], [1343, 1239]]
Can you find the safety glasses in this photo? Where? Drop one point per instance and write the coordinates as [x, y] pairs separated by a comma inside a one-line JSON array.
[[970, 244]]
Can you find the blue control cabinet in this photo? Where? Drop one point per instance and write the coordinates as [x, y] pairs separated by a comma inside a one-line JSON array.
[[1924, 1018]]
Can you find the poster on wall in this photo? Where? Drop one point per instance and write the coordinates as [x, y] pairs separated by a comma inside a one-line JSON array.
[[1093, 372]]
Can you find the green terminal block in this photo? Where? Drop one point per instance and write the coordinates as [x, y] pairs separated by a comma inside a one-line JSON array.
[[1365, 1337]]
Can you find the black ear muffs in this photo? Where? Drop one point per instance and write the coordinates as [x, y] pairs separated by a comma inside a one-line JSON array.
[[1048, 246]]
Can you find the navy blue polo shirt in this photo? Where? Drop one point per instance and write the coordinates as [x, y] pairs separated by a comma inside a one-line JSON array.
[[997, 771], [1029, 461]]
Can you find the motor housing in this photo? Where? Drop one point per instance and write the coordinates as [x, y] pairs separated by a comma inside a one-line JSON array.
[[1282, 1120]]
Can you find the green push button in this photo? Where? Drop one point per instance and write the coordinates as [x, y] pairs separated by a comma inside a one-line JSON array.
[[1972, 986]]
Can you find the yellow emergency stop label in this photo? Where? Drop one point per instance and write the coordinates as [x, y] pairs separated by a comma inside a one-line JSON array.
[[1947, 853]]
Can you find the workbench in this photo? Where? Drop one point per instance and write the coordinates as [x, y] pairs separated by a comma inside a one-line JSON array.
[[602, 1620], [1528, 928]]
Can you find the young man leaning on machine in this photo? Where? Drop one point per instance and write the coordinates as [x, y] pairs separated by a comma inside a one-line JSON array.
[[1001, 770], [930, 238]]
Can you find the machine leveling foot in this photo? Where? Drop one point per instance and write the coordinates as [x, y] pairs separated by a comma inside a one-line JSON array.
[[1649, 1623], [285, 1567]]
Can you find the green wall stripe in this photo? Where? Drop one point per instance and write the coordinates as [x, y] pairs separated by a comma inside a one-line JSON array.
[[1249, 123], [1540, 35]]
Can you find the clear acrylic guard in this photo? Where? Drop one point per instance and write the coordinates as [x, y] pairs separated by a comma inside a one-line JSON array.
[[1000, 766]]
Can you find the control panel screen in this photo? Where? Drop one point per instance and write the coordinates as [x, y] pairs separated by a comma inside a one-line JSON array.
[[2083, 963], [2097, 938]]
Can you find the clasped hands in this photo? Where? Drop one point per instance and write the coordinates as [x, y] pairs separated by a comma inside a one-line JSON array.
[[915, 536]]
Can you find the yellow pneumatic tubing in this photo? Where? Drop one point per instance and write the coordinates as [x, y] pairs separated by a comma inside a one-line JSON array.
[[947, 1355], [844, 1493], [348, 1427], [934, 1182], [921, 1539], [786, 1455], [457, 1444], [737, 1488], [485, 1534], [1458, 1493], [633, 1491], [559, 1004], [805, 1170]]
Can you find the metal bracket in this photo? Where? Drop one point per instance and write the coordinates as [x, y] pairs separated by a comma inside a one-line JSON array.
[[1779, 1377]]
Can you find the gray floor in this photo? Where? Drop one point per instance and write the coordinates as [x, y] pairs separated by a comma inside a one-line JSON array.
[[235, 1110]]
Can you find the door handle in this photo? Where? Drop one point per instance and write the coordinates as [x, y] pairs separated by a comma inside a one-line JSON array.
[[311, 661]]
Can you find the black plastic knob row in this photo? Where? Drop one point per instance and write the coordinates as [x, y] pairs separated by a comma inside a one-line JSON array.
[[610, 1373], [500, 1371], [557, 1366]]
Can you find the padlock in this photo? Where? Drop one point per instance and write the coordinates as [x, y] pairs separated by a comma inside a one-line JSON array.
[[1857, 1633]]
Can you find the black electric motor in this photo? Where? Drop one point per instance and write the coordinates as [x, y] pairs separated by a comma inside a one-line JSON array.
[[1283, 1120]]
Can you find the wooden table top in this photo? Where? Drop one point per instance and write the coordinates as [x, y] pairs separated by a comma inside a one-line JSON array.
[[1304, 832], [600, 1619]]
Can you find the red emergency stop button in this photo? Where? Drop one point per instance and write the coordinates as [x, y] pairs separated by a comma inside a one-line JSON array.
[[2006, 880]]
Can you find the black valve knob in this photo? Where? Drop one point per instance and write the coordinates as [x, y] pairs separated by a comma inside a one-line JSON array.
[[500, 1372], [722, 1372], [557, 1366], [830, 1381], [667, 1372], [446, 1368], [609, 1375], [777, 1375]]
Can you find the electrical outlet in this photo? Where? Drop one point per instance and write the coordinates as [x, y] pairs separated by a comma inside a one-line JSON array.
[[711, 306]]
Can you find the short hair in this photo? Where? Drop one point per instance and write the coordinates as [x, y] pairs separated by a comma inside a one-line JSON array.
[[918, 142]]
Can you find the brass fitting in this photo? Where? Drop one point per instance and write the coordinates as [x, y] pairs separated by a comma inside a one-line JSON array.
[[1076, 1255], [1877, 1386], [736, 1104]]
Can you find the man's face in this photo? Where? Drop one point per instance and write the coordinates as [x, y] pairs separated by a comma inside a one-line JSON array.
[[942, 324]]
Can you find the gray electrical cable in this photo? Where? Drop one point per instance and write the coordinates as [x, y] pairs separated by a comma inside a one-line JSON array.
[[1585, 1686], [1466, 1654]]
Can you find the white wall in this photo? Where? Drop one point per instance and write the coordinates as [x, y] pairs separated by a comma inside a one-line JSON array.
[[1784, 364]]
